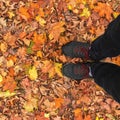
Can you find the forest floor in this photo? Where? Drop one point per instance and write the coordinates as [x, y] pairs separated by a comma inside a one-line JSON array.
[[32, 33]]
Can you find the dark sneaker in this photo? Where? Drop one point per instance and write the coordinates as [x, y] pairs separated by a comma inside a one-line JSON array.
[[76, 71], [76, 49]]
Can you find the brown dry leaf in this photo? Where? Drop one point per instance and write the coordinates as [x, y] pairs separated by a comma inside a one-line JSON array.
[[100, 30], [10, 39], [63, 58], [84, 99], [22, 35], [21, 52], [104, 10], [116, 60], [47, 65], [63, 40]]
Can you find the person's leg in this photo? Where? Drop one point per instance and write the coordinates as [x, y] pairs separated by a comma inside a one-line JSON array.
[[108, 44], [107, 76]]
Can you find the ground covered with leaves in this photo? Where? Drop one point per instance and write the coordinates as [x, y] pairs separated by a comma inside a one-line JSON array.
[[32, 33]]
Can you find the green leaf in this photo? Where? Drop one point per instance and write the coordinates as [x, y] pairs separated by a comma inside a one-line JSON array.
[[29, 49]]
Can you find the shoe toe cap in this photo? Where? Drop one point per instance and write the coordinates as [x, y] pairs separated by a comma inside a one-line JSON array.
[[67, 70]]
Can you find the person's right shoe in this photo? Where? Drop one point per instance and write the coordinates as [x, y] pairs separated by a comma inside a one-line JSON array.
[[76, 49], [77, 71]]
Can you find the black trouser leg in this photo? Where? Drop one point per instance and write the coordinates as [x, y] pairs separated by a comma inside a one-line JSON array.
[[108, 44], [107, 76]]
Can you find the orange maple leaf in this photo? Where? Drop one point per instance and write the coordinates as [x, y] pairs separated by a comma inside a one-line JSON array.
[[88, 117], [39, 39], [9, 84], [23, 11], [59, 102], [55, 30], [11, 72], [104, 10]]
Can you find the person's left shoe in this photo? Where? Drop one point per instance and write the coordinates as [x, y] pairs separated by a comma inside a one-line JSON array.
[[77, 71], [76, 49]]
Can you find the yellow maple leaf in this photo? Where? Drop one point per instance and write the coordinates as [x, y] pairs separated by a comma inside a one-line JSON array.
[[116, 14], [41, 21], [58, 67], [31, 104], [39, 54], [97, 118], [33, 73], [7, 94], [85, 12], [1, 78], [11, 14]]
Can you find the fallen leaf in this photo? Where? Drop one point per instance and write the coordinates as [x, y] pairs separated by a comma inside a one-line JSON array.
[[33, 73], [11, 71], [11, 14], [55, 30], [22, 35], [38, 39], [23, 11], [116, 14], [31, 104], [3, 22], [1, 78], [7, 94], [77, 112], [85, 12], [104, 10], [9, 84], [59, 102], [3, 47], [41, 21], [88, 117], [10, 39], [58, 67]]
